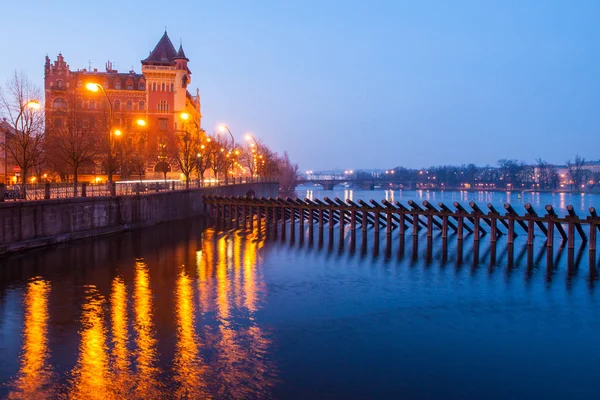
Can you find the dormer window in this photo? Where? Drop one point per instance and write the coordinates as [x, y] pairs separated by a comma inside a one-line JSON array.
[[117, 105], [142, 86], [118, 85]]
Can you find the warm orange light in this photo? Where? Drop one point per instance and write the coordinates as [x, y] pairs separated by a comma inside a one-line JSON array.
[[184, 116], [222, 128], [141, 122], [117, 132], [93, 87], [33, 104]]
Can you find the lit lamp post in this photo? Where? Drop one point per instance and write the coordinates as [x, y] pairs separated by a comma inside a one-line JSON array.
[[199, 160], [32, 105], [254, 151], [94, 87], [222, 129]]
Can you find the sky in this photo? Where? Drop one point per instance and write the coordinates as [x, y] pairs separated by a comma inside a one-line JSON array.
[[353, 84]]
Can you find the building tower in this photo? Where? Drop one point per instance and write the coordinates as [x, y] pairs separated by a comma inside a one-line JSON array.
[[168, 76]]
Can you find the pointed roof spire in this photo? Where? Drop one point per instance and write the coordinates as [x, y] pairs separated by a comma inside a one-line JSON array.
[[163, 53], [180, 54]]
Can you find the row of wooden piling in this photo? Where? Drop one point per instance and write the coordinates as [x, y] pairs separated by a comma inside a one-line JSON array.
[[246, 211]]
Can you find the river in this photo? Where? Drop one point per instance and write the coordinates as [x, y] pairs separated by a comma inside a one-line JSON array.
[[179, 310]]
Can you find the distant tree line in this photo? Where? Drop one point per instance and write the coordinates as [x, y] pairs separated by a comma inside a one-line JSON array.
[[506, 174]]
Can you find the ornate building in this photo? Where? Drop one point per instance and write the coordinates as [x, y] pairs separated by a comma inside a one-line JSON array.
[[158, 95]]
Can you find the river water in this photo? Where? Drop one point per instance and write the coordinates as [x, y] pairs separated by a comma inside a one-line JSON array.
[[179, 310]]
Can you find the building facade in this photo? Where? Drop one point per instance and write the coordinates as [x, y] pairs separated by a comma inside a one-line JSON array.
[[158, 95]]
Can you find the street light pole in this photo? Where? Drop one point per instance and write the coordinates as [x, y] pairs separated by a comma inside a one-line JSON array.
[[222, 128], [254, 159], [94, 87]]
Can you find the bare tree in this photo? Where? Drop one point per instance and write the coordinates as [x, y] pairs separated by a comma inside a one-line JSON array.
[[20, 106], [577, 173], [183, 149], [288, 173], [70, 144], [216, 151]]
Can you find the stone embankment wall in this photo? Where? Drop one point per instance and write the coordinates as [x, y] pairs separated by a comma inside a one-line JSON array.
[[29, 224]]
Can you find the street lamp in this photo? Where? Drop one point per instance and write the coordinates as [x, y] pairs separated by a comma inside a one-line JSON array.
[[30, 104], [250, 137], [95, 87], [222, 129]]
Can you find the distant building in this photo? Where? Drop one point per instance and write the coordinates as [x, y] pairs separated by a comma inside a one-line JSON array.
[[158, 95]]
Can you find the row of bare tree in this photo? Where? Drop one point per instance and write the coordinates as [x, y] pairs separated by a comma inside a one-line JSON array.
[[541, 175], [79, 141]]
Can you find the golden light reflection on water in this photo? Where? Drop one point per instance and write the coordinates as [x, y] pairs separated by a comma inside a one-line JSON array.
[[35, 375], [120, 337], [220, 350], [148, 386], [92, 378], [189, 368]]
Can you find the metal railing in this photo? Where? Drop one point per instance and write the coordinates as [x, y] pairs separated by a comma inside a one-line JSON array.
[[45, 191]]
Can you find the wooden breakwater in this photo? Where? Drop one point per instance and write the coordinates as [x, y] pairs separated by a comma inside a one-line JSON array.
[[244, 212]]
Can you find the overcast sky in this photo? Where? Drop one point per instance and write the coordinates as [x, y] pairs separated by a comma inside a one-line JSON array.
[[348, 84]]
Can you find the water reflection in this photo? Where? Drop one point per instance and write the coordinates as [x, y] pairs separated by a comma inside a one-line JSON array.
[[92, 378], [145, 355], [189, 369], [120, 338], [35, 374]]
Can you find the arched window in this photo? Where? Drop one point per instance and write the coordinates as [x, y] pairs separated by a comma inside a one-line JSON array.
[[154, 87], [117, 105], [129, 105], [59, 103], [59, 84], [142, 105], [129, 84], [172, 87], [92, 104], [163, 87], [142, 86], [118, 85]]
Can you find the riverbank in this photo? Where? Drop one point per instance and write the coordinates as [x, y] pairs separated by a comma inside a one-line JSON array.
[[30, 224]]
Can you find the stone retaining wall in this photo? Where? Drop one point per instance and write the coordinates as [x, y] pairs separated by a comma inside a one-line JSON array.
[[29, 224]]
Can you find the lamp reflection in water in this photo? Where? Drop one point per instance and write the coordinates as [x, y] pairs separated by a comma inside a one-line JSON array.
[[92, 377], [34, 378], [189, 369], [148, 386], [242, 367], [120, 337]]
